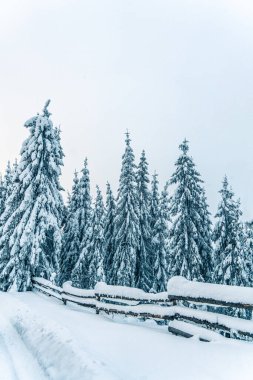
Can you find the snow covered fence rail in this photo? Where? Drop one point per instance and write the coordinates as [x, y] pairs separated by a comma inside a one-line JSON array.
[[180, 289], [131, 302], [165, 307], [46, 287], [81, 297], [110, 299], [67, 293], [125, 294]]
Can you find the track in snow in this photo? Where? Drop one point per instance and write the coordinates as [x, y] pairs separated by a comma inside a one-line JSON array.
[[34, 347], [16, 361]]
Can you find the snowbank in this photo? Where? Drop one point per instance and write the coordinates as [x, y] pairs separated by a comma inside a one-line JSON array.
[[180, 287]]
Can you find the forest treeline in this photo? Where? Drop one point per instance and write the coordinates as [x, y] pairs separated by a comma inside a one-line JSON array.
[[139, 237]]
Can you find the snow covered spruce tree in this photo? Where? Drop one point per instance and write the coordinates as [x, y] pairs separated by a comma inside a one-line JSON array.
[[231, 260], [2, 195], [96, 249], [160, 235], [109, 232], [71, 235], [127, 232], [248, 248], [190, 243], [80, 276], [206, 243], [8, 181], [144, 260], [30, 233], [154, 209]]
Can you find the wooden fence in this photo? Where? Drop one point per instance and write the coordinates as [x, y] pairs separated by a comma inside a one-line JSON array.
[[179, 307]]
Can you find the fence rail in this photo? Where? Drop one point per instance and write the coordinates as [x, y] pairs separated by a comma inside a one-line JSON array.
[[167, 307]]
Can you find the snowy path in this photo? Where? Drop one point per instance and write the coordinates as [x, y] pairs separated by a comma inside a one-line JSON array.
[[69, 341]]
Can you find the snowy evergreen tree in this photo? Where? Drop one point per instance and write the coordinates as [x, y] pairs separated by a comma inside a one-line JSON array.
[[71, 236], [30, 234], [15, 168], [206, 244], [8, 181], [109, 232], [231, 265], [160, 235], [190, 232], [248, 248], [154, 200], [80, 274], [2, 195], [144, 260], [127, 230], [154, 211], [96, 249]]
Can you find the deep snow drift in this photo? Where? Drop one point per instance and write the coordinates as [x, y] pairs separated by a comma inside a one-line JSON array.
[[40, 338]]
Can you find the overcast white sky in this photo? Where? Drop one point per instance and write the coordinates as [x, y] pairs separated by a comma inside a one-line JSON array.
[[163, 69]]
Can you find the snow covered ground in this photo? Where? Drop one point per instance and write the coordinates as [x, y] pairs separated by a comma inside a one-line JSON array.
[[40, 338]]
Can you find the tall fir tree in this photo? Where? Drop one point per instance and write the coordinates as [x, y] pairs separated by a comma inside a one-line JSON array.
[[80, 275], [8, 181], [144, 260], [71, 235], [248, 247], [154, 211], [109, 230], [190, 231], [2, 195], [127, 230], [96, 247], [206, 243], [160, 235], [231, 264], [15, 168], [30, 233], [154, 200]]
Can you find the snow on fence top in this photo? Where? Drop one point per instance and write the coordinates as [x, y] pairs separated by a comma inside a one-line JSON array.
[[69, 289], [46, 283], [181, 288], [124, 292]]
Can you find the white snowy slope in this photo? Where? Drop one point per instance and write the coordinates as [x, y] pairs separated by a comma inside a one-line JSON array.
[[66, 343]]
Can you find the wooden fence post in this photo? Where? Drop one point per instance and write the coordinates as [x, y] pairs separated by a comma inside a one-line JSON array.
[[98, 299]]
